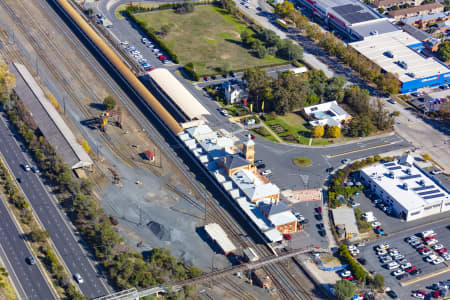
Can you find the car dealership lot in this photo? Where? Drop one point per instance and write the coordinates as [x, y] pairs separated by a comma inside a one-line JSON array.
[[411, 255]]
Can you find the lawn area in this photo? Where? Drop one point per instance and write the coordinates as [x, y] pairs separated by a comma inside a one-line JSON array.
[[208, 37], [262, 132], [292, 128]]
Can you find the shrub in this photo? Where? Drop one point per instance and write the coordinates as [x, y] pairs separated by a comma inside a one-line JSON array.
[[189, 69], [109, 103], [379, 281], [358, 271], [317, 131]]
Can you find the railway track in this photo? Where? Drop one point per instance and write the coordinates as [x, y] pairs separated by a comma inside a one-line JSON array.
[[215, 212]]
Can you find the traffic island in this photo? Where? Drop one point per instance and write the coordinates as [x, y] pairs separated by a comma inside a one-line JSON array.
[[302, 162]]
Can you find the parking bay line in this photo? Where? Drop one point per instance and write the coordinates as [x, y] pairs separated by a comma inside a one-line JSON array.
[[427, 276]]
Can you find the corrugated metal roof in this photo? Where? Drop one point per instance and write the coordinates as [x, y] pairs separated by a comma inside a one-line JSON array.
[[49, 121], [178, 93], [217, 234]]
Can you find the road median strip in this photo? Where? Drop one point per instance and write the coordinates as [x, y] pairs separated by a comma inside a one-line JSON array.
[[358, 150]]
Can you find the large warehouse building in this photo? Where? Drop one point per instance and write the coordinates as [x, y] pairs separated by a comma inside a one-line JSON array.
[[382, 42], [351, 17], [406, 188], [399, 53]]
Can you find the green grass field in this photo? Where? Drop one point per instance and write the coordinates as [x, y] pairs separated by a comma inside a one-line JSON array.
[[209, 37]]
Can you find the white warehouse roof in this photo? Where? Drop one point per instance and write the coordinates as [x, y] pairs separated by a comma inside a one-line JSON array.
[[397, 42], [178, 93], [407, 185]]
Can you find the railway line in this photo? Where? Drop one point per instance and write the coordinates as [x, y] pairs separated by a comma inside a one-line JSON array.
[[215, 212]]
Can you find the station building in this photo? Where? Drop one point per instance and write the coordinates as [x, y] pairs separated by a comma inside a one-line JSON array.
[[406, 188], [235, 171]]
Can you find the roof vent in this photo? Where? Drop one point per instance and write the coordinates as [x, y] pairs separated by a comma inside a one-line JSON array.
[[422, 182], [391, 174], [408, 171], [405, 186]]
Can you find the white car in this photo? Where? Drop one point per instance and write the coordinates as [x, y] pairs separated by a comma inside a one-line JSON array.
[[351, 247], [432, 242], [418, 296], [431, 258], [382, 252], [375, 224], [438, 261], [446, 256], [382, 247], [412, 239], [428, 233], [438, 246], [345, 273], [144, 40], [426, 253], [155, 50], [355, 204], [266, 172], [354, 251], [398, 257], [435, 172], [405, 266], [398, 272], [392, 265], [78, 278], [124, 43], [26, 167], [150, 46]]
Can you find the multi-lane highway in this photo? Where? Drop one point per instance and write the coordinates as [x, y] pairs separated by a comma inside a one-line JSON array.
[[28, 279], [66, 243]]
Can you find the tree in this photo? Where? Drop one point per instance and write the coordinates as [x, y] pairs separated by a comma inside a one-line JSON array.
[[317, 131], [379, 281], [443, 52], [344, 289], [290, 51], [284, 10], [109, 102], [39, 235], [261, 51], [165, 29], [381, 10], [334, 131]]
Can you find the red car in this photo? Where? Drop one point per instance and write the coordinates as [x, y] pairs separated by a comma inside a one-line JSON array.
[[149, 69], [349, 278], [423, 249], [287, 236], [436, 294], [252, 137], [429, 238], [319, 209], [443, 250], [162, 57], [410, 269]]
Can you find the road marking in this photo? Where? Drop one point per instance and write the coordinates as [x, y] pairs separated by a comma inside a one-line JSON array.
[[362, 149], [409, 282]]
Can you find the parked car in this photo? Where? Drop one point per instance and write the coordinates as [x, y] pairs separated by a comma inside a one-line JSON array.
[[319, 209], [410, 269], [261, 166], [398, 272], [287, 236], [403, 276], [345, 273], [26, 167], [392, 294], [344, 161], [266, 172]]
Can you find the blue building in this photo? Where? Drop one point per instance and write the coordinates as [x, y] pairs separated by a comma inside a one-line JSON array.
[[400, 54]]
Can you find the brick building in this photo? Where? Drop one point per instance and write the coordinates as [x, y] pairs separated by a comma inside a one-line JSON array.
[[420, 10]]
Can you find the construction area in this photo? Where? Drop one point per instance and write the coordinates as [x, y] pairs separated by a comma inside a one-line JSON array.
[[139, 179]]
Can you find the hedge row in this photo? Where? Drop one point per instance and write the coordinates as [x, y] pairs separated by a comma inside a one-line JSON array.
[[358, 272], [153, 36], [189, 70]]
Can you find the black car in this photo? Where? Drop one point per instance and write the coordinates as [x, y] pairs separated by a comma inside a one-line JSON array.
[[330, 169], [416, 272], [261, 166], [19, 180], [318, 217], [233, 74], [320, 226], [31, 260], [304, 221], [392, 294], [322, 232], [362, 261]]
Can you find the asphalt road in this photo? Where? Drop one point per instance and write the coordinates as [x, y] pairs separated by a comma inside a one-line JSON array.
[[28, 279], [67, 244], [279, 158]]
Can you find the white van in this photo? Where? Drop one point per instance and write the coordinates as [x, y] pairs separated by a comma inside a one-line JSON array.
[[392, 265]]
